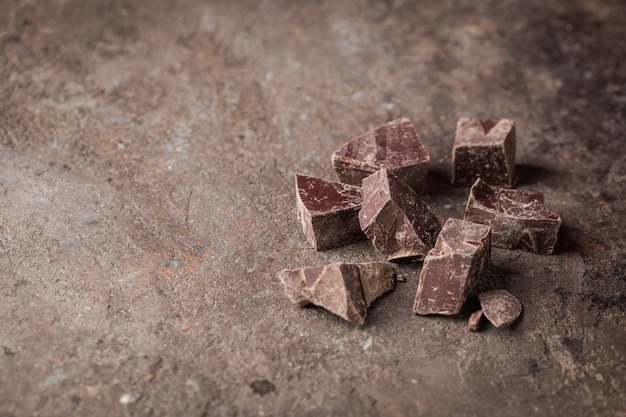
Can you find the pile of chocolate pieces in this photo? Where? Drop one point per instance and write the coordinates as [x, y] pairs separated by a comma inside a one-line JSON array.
[[377, 197]]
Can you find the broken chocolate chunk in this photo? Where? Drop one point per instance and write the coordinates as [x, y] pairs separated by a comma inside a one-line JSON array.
[[500, 307], [518, 219], [452, 268], [343, 289], [328, 211], [376, 278], [396, 219], [394, 145], [473, 324], [484, 149]]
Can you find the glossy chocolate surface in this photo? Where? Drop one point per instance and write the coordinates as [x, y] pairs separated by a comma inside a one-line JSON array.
[[484, 149], [328, 211], [452, 268], [394, 145], [343, 289], [518, 218], [400, 224]]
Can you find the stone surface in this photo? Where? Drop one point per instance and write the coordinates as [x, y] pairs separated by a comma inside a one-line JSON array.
[[395, 146], [397, 220], [148, 150], [452, 268], [343, 289], [500, 307], [328, 212], [484, 149], [518, 218]]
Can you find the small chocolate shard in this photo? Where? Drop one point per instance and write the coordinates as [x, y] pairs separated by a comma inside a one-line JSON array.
[[394, 145], [400, 224], [376, 278], [473, 324], [328, 211], [500, 307], [343, 289], [518, 219], [452, 268], [484, 149]]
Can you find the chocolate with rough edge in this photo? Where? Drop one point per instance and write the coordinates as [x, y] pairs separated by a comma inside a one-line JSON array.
[[376, 278], [484, 149], [394, 145], [396, 219], [518, 219], [473, 324], [343, 289], [500, 307], [328, 211], [452, 268]]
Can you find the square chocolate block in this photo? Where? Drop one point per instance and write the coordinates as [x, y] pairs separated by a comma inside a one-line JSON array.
[[484, 149], [518, 219], [452, 268], [395, 146], [328, 211], [400, 224]]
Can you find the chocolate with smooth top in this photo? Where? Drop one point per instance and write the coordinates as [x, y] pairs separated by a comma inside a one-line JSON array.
[[500, 307], [343, 289], [484, 149], [473, 324], [396, 219], [328, 211], [394, 145], [518, 219], [452, 268]]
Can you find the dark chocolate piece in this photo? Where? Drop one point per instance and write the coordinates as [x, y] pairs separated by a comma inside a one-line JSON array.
[[452, 268], [396, 219], [394, 145], [484, 149], [518, 219], [343, 289], [473, 324], [376, 278], [500, 307], [328, 211]]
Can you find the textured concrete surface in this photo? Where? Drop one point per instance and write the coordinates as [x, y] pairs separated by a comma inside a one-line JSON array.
[[147, 155]]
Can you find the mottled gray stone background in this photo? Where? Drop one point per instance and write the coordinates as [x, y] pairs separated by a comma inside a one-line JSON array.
[[147, 154]]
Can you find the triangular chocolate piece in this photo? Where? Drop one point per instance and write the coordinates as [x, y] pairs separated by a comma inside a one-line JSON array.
[[328, 211], [343, 289], [394, 145], [396, 219]]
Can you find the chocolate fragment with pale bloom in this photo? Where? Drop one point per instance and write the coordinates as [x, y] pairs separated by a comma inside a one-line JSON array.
[[328, 212], [518, 219], [376, 278], [452, 268], [484, 149], [500, 307], [343, 289], [400, 224], [394, 145], [473, 324]]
